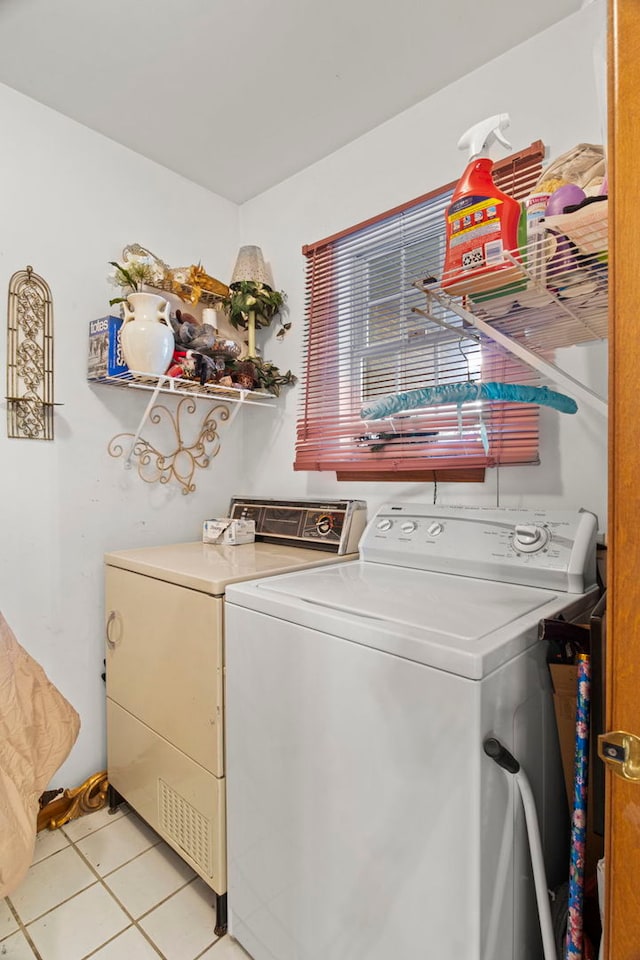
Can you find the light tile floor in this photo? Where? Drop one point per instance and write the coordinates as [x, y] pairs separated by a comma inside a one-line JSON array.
[[106, 886]]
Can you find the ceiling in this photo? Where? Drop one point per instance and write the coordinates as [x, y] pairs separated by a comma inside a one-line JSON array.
[[238, 95]]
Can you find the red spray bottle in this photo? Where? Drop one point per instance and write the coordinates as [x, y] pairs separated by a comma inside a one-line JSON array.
[[481, 220]]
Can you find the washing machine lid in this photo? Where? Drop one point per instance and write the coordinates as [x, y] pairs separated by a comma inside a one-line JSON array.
[[459, 624]]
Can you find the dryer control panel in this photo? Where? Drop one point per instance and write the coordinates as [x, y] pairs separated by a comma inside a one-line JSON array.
[[332, 525], [541, 548]]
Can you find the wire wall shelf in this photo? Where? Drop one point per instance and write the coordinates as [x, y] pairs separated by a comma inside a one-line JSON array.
[[552, 292], [549, 294], [180, 386]]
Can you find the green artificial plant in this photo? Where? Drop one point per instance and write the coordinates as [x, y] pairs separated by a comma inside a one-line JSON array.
[[250, 297], [270, 378]]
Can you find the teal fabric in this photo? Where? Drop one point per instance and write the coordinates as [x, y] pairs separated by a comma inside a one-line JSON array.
[[460, 393]]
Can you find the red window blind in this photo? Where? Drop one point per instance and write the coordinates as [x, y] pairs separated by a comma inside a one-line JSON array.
[[367, 336]]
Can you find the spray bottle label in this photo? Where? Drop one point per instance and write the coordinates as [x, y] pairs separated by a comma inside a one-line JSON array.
[[474, 233]]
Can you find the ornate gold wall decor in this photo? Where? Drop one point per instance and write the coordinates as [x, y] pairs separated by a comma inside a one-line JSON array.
[[29, 357], [180, 464], [87, 798]]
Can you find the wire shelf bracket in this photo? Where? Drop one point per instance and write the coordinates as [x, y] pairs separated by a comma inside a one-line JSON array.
[[548, 369], [180, 463]]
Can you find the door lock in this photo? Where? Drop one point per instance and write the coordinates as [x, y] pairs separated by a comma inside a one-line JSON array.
[[621, 752]]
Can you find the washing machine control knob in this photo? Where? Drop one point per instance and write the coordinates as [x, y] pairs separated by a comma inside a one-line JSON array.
[[408, 526], [529, 538], [435, 529], [384, 524]]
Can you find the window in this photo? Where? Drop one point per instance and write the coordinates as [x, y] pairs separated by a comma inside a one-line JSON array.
[[370, 333]]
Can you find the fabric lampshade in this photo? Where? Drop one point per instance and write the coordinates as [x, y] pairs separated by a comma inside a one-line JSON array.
[[250, 265]]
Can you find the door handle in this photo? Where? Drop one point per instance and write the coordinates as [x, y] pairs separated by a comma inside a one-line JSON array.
[[621, 753], [110, 620]]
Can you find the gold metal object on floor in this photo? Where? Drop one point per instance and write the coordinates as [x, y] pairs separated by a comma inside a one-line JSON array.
[[87, 798], [29, 357], [180, 465]]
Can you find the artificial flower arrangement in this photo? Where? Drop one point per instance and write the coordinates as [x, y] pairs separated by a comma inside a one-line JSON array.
[[190, 283], [249, 297], [131, 276], [265, 375], [140, 267], [200, 354]]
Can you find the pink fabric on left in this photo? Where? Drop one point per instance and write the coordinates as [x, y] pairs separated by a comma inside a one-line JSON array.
[[38, 728]]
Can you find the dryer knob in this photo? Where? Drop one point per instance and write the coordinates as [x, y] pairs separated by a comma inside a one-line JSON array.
[[435, 529], [384, 524], [324, 524]]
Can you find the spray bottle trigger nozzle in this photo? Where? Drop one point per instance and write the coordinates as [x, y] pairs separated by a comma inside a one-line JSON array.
[[477, 138], [500, 137]]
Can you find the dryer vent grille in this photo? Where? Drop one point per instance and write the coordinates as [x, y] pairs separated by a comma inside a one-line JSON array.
[[183, 824]]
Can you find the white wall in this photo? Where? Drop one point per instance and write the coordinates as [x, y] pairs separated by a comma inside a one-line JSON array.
[[551, 89], [71, 200]]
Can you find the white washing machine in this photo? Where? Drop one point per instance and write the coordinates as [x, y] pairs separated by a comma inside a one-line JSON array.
[[364, 820]]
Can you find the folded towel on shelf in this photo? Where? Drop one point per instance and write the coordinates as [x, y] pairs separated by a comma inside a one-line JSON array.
[[587, 227]]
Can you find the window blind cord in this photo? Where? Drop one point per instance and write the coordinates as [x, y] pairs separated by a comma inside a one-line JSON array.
[[481, 425], [466, 360], [435, 489]]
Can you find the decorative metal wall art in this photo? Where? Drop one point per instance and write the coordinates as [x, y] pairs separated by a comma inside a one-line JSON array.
[[29, 357], [180, 464]]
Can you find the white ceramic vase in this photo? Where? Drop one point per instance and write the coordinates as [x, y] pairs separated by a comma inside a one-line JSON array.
[[146, 336]]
